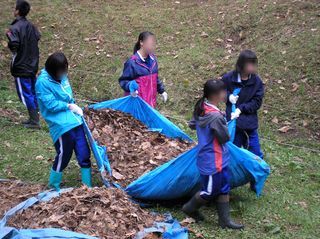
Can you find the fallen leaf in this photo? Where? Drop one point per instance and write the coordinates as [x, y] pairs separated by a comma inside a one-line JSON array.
[[295, 87], [305, 123], [204, 35], [275, 120], [39, 157], [285, 129], [4, 44], [187, 221], [117, 175], [303, 204]]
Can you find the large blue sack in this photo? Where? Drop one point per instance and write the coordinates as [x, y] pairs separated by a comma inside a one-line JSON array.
[[180, 176]]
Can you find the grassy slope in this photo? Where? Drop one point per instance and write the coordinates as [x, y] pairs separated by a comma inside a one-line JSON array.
[[282, 32]]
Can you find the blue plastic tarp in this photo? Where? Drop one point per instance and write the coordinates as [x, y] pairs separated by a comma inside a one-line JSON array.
[[146, 114], [169, 229], [180, 176], [48, 233]]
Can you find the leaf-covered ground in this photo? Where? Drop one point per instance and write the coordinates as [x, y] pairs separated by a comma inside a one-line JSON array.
[[196, 40]]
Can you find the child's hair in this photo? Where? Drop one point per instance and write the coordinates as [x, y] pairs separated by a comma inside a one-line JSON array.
[[57, 62], [23, 7], [211, 87], [246, 56], [142, 36]]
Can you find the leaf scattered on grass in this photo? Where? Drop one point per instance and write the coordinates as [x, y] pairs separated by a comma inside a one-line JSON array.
[[285, 129], [275, 120], [295, 87]]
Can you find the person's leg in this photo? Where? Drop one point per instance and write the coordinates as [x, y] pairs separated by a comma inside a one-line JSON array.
[[64, 148], [26, 93], [82, 151], [223, 206], [240, 138], [33, 90], [254, 143], [191, 208]]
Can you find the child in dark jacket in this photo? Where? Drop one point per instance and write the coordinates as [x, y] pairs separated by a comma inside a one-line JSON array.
[[23, 39], [248, 101], [140, 72], [213, 156]]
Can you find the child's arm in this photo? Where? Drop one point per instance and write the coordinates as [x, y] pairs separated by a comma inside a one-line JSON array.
[[255, 103], [219, 126], [127, 76], [192, 124], [48, 99], [160, 86], [14, 39]]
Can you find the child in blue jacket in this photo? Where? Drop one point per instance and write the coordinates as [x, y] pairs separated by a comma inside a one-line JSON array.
[[140, 72], [248, 101], [213, 155], [64, 118]]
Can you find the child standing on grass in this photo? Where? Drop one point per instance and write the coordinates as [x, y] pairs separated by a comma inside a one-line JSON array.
[[213, 156], [140, 73], [23, 39], [64, 118], [248, 102]]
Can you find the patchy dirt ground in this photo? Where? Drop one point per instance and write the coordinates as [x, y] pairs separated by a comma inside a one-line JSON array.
[[132, 149], [14, 192], [101, 212]]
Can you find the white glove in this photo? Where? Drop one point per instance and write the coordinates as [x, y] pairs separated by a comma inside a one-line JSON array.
[[164, 96], [75, 109], [236, 114], [233, 99], [134, 94]]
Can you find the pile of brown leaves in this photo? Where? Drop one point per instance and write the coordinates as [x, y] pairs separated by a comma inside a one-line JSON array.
[[14, 192], [132, 149], [101, 212]]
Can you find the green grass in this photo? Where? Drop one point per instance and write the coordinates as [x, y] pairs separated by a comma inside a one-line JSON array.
[[285, 35]]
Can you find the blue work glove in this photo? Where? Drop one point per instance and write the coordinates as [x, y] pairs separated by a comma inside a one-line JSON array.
[[133, 87]]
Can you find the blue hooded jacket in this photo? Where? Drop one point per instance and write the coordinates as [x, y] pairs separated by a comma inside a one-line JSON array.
[[212, 132], [53, 99], [250, 99]]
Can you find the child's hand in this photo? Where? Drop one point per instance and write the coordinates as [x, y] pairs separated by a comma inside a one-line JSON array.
[[236, 114], [164, 96], [233, 99]]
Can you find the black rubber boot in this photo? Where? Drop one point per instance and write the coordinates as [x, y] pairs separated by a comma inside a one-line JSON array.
[[34, 122], [224, 216], [191, 208]]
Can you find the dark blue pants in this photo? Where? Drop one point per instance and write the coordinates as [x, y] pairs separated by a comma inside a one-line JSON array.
[[73, 140], [215, 184], [248, 139], [26, 91]]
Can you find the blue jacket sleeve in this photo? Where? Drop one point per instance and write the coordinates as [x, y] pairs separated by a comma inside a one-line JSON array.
[[160, 86], [255, 103], [220, 129], [126, 76], [225, 80], [48, 99], [192, 124]]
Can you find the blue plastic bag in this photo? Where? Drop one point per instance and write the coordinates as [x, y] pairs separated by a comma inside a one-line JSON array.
[[180, 176]]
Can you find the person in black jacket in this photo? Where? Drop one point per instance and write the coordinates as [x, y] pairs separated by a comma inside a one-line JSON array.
[[247, 102], [23, 39]]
